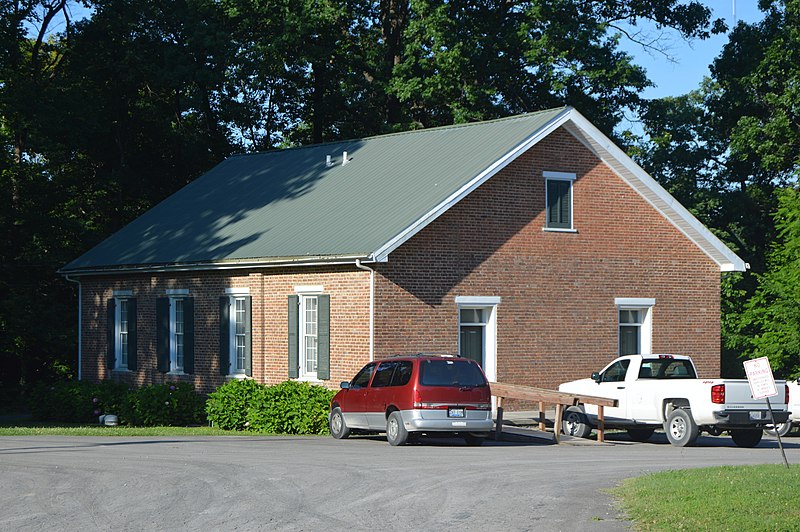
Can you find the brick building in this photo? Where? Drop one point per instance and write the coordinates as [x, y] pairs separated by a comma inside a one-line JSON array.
[[532, 244]]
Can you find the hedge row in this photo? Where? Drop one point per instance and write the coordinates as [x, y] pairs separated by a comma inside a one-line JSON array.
[[287, 408]]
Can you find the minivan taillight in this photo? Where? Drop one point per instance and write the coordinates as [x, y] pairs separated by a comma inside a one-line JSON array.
[[718, 394]]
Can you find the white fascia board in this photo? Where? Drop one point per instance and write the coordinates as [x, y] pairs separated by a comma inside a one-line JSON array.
[[661, 200], [382, 253]]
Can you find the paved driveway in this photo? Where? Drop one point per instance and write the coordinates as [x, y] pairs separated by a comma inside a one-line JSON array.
[[318, 483]]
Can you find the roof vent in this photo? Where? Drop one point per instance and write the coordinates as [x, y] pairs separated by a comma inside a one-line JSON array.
[[328, 161], [344, 158]]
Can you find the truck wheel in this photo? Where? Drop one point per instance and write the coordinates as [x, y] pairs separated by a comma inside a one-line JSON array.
[[746, 437], [575, 423], [640, 434], [782, 429], [681, 429]]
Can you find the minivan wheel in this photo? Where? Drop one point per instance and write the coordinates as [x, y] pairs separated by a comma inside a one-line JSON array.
[[396, 432], [339, 429]]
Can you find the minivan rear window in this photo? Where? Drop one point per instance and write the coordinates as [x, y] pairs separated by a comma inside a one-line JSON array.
[[450, 373]]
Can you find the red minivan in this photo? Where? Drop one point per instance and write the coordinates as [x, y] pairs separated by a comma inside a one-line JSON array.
[[406, 396]]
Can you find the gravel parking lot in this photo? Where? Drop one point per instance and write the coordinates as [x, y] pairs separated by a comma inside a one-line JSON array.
[[315, 483]]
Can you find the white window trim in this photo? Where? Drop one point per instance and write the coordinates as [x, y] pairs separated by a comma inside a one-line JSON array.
[[645, 304], [560, 176], [173, 344], [120, 296], [310, 376], [177, 291], [313, 289], [243, 291]]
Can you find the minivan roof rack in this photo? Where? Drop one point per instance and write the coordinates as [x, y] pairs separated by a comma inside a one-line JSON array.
[[419, 355]]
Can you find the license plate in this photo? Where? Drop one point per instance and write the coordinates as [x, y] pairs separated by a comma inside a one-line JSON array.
[[455, 412], [755, 415]]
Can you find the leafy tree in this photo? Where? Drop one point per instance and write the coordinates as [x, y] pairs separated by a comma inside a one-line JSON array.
[[770, 323]]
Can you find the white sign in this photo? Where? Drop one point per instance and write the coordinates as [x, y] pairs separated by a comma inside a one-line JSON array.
[[759, 375]]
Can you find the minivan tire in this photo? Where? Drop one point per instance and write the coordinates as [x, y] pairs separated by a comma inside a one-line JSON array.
[[337, 425], [396, 432]]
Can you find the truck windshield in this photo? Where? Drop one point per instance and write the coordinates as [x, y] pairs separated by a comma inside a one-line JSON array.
[[666, 368], [451, 373]]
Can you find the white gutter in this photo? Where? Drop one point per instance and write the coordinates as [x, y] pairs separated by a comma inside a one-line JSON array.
[[211, 266], [371, 307], [80, 321]]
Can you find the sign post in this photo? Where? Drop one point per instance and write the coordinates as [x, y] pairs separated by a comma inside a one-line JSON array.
[[762, 386]]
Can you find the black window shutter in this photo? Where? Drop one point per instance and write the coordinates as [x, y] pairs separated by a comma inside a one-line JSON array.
[[248, 338], [111, 320], [188, 335], [224, 335], [324, 337], [162, 334], [132, 362], [294, 346], [564, 211]]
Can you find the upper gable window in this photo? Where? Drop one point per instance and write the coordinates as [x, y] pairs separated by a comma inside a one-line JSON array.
[[558, 200]]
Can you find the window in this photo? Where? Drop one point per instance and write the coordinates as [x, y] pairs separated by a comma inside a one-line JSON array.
[[122, 332], [472, 328], [235, 337], [558, 191], [308, 345], [309, 334], [616, 372], [361, 380], [383, 377], [450, 373], [635, 330], [175, 332]]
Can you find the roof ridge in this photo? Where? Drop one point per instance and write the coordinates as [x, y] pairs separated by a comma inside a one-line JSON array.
[[400, 133]]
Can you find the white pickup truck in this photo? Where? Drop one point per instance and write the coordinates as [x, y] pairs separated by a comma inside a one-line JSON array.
[[784, 429], [655, 391]]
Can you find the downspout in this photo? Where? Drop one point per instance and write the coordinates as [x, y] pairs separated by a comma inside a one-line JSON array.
[[80, 321], [371, 307]]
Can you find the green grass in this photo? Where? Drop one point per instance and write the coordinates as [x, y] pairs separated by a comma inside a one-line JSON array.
[[68, 429], [721, 498]]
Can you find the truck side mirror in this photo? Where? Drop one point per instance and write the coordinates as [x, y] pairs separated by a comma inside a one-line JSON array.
[[596, 377]]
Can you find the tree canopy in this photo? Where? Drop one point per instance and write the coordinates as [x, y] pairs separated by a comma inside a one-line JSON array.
[[105, 115]]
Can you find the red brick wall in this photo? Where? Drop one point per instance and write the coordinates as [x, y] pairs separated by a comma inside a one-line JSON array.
[[348, 288], [557, 320]]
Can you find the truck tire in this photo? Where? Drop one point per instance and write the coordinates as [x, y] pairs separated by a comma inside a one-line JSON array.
[[681, 429], [782, 429], [746, 437], [575, 423]]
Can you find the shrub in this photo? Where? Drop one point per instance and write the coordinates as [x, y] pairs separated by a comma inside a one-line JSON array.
[[290, 408], [170, 404], [82, 402], [227, 405], [77, 401]]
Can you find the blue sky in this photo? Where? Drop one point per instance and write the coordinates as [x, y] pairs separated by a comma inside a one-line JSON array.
[[691, 60]]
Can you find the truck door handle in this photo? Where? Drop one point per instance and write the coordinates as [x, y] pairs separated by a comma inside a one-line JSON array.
[[620, 387]]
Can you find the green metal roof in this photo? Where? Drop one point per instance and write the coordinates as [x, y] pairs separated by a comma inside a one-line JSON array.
[[289, 206]]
